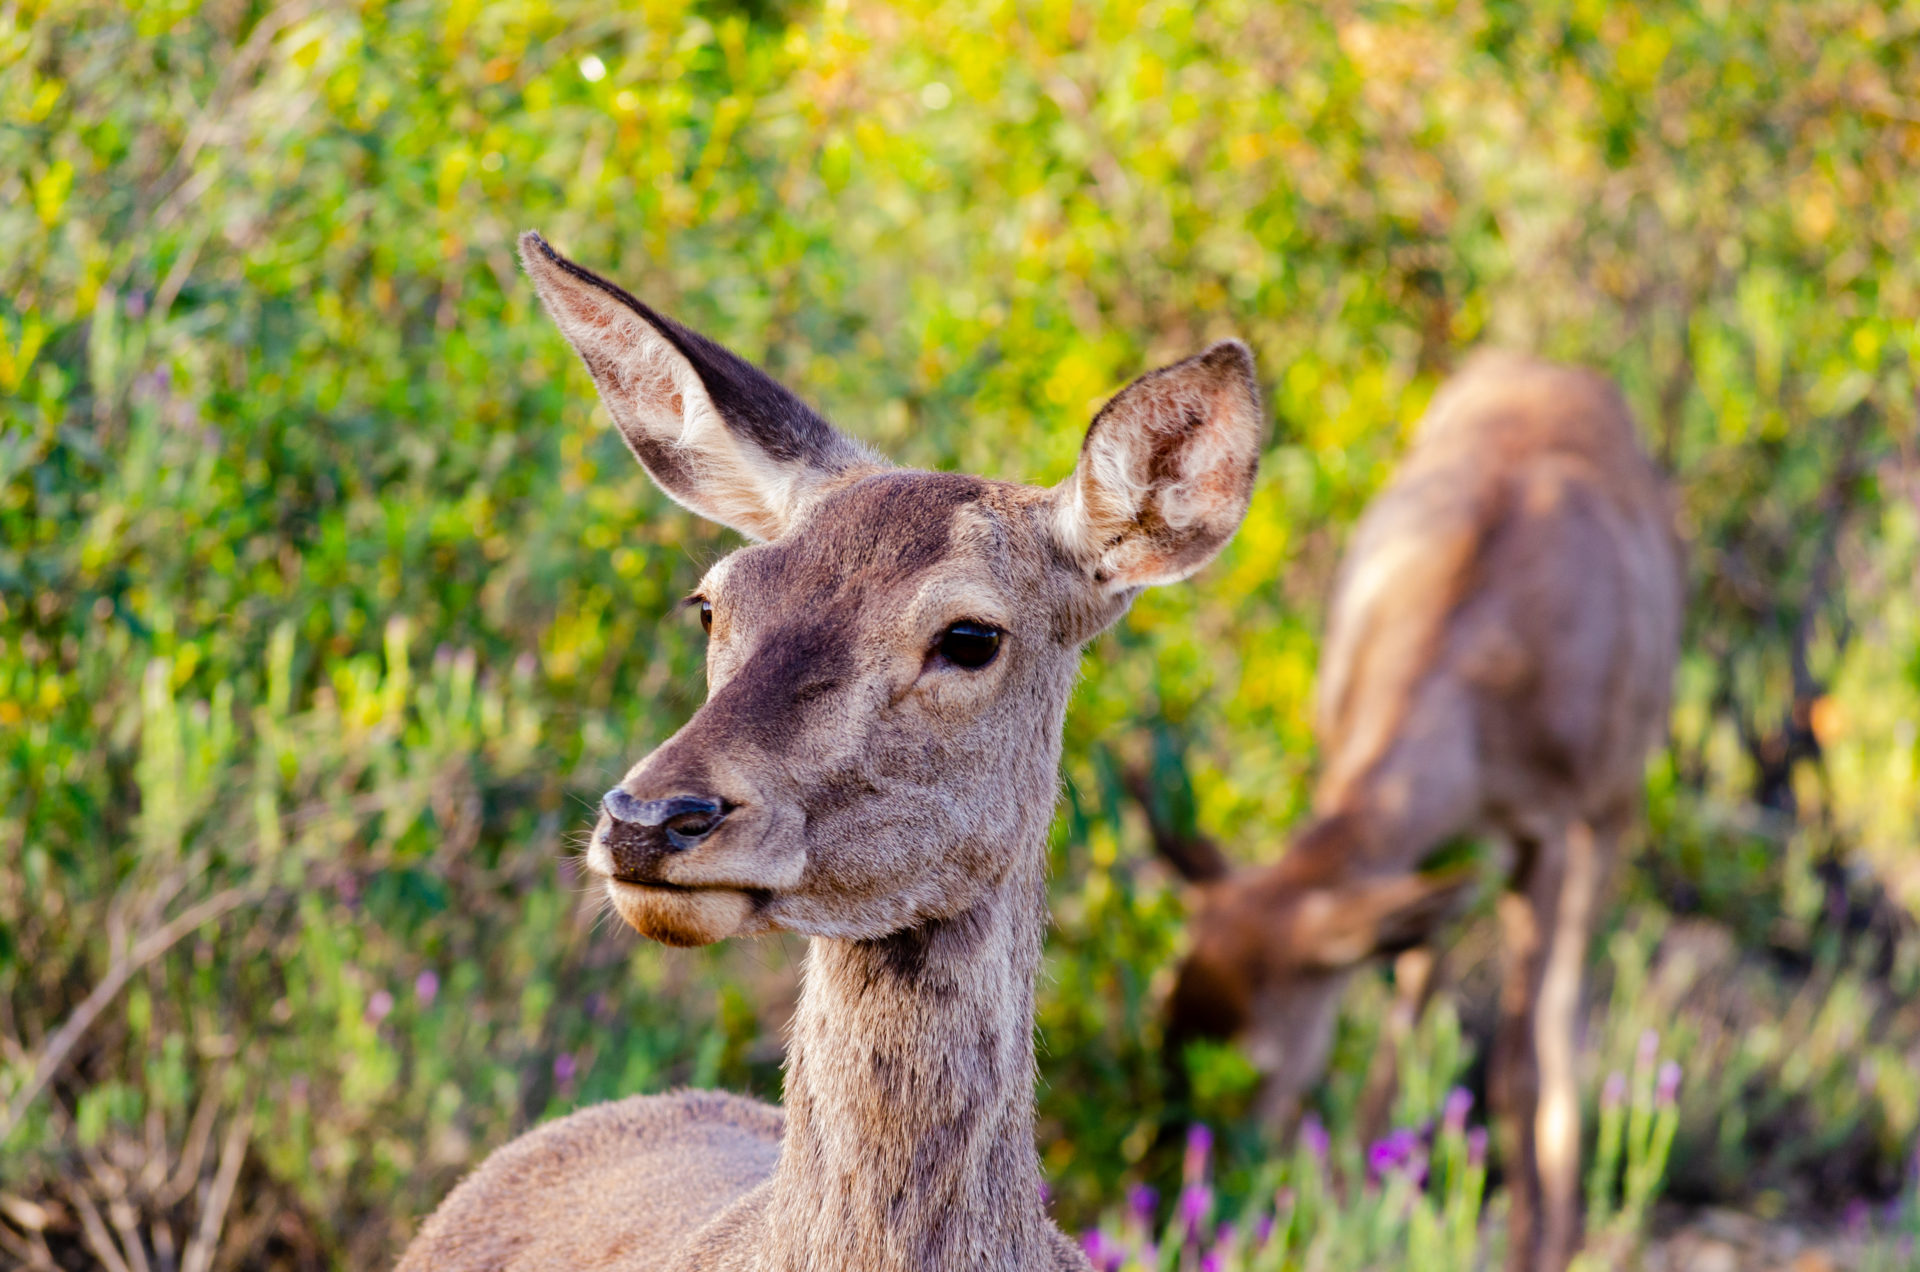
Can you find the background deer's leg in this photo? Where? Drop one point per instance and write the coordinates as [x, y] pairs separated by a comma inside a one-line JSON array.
[[1556, 1032], [1514, 1077]]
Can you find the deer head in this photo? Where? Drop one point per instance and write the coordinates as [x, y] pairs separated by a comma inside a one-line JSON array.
[[889, 665], [1273, 947]]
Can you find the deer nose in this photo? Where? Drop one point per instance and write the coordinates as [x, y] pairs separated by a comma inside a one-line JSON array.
[[682, 821]]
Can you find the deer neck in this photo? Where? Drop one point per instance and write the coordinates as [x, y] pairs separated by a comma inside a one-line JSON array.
[[909, 1096]]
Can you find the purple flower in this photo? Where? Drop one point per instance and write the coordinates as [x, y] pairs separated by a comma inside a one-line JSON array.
[[1392, 1153], [1666, 1087], [1614, 1093], [1263, 1231], [1211, 1262], [1196, 1203], [1477, 1146], [564, 1067], [1453, 1114], [1381, 1157], [1313, 1133], [1105, 1254], [1199, 1148], [1141, 1200], [426, 987], [378, 1006]]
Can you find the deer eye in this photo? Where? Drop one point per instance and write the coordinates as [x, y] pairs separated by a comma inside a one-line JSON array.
[[706, 614], [969, 645]]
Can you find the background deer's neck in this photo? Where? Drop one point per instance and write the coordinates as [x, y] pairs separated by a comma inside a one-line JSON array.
[[909, 1096]]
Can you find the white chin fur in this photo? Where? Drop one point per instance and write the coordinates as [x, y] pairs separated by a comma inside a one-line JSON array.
[[676, 916]]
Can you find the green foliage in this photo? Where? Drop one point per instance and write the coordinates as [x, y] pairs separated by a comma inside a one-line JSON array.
[[1415, 1201], [328, 600]]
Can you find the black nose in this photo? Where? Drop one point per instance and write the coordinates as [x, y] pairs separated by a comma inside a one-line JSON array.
[[651, 827], [645, 832]]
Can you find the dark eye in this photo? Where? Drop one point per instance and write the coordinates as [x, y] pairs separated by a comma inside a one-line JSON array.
[[969, 645], [706, 615]]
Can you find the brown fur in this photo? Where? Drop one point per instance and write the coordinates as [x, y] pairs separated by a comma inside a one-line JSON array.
[[1498, 658], [875, 795]]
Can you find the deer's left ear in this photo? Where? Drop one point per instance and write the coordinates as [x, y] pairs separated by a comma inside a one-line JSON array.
[[1166, 472], [715, 432]]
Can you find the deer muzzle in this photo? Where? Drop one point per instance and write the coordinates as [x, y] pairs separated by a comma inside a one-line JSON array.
[[641, 832]]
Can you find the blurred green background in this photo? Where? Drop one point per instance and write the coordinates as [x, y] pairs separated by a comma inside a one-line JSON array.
[[329, 600]]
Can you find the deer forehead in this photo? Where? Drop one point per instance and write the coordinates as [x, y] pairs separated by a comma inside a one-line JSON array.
[[909, 542]]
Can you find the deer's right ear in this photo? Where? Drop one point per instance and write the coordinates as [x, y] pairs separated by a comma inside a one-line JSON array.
[[1166, 472], [714, 431], [1348, 923]]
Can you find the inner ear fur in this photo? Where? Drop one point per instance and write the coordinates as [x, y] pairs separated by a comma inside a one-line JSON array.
[[1166, 472], [714, 431]]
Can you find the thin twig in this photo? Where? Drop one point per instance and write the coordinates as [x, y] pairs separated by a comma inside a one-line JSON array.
[[245, 61], [30, 1250], [194, 1151], [213, 1215], [156, 943], [150, 947], [163, 1243], [121, 1215], [93, 1230]]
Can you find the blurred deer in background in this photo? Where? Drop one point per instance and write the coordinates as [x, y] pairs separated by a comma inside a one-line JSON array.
[[1498, 659], [875, 767]]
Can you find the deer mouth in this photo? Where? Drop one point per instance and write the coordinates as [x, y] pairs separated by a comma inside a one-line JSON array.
[[684, 915]]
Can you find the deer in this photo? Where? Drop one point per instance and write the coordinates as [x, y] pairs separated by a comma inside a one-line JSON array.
[[1498, 661], [874, 768]]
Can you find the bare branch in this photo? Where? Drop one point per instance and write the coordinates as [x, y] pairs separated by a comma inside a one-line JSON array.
[[213, 1214], [127, 1224], [148, 948], [93, 1230], [156, 943], [199, 1131], [31, 1250]]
